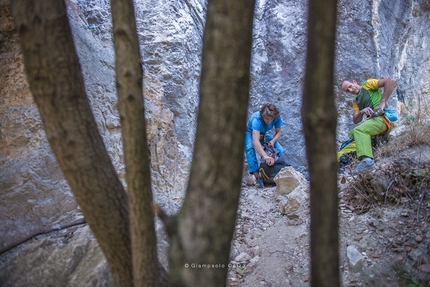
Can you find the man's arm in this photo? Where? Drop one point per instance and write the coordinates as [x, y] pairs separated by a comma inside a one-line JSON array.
[[388, 84], [259, 148], [275, 137], [357, 116]]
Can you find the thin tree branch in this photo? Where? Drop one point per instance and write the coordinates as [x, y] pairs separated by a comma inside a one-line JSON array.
[[129, 77]]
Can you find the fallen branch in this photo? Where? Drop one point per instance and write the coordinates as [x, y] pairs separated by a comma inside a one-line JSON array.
[[386, 191], [362, 194], [421, 200]]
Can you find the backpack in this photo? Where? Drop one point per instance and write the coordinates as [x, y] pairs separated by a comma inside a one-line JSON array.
[[268, 173]]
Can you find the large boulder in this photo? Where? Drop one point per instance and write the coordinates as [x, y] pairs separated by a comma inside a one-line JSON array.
[[292, 190]]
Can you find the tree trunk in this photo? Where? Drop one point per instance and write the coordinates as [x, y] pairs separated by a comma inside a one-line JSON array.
[[57, 86], [319, 120], [136, 156], [205, 224]]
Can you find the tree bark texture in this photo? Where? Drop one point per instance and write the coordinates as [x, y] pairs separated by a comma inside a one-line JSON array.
[[205, 224], [319, 120], [57, 86], [136, 155]]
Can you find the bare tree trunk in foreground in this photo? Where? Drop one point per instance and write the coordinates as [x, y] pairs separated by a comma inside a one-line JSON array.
[[129, 77], [57, 86], [205, 225], [319, 120]]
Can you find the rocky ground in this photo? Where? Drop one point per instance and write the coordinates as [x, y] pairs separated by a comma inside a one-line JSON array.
[[384, 236]]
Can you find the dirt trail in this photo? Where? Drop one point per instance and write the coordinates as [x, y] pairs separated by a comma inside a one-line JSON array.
[[387, 245]]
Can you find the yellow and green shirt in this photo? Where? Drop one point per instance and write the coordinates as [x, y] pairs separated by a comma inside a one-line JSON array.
[[368, 96]]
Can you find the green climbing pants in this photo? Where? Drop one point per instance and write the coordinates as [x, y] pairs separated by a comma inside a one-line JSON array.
[[363, 133]]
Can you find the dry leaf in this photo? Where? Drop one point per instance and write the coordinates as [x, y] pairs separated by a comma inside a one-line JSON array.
[[375, 255], [305, 278], [293, 216], [358, 237], [425, 268], [400, 258], [400, 189], [343, 180]]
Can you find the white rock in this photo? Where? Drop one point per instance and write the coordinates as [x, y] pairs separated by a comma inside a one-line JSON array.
[[356, 260], [242, 257]]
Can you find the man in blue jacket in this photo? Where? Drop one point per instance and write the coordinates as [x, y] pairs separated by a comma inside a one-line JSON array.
[[257, 135]]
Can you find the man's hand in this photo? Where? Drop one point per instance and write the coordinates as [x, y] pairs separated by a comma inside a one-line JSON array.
[[270, 144], [269, 161], [380, 108], [367, 111]]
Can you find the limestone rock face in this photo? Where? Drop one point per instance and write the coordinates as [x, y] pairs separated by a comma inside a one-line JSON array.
[[169, 164], [170, 34], [33, 192], [69, 257], [376, 39], [35, 196]]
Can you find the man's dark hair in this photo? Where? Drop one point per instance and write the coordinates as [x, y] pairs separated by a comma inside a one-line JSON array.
[[269, 110]]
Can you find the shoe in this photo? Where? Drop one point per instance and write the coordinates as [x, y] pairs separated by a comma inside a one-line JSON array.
[[259, 183], [365, 164]]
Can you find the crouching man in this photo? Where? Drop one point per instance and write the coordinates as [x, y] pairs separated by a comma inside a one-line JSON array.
[[370, 102], [257, 135]]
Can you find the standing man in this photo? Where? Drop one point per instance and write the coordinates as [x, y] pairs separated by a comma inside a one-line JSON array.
[[369, 102], [257, 135]]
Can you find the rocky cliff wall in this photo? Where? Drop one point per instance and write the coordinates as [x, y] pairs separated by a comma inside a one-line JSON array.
[[35, 197], [374, 39], [33, 193]]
